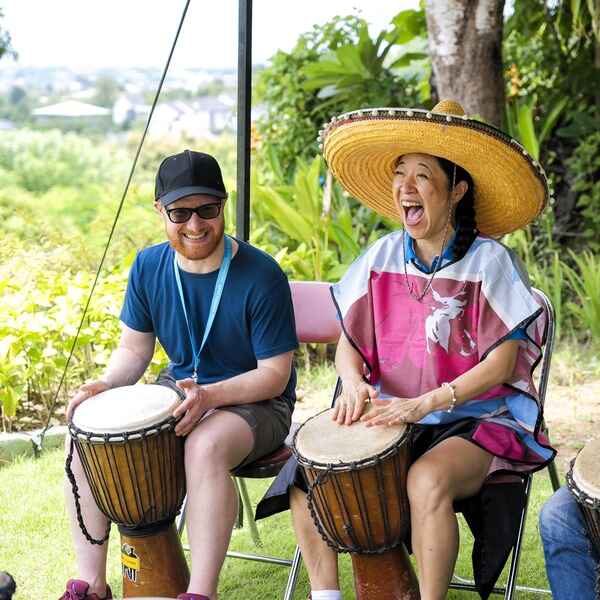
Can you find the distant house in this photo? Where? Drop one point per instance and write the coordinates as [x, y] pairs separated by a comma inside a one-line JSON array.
[[5, 124], [72, 111], [205, 117], [127, 110]]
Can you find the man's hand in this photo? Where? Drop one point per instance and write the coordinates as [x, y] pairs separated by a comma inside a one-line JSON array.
[[196, 404], [87, 390], [350, 404]]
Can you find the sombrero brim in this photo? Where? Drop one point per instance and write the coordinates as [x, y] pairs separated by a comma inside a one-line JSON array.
[[361, 148]]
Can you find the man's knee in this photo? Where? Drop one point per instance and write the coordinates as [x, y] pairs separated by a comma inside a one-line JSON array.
[[560, 517], [203, 447], [218, 443]]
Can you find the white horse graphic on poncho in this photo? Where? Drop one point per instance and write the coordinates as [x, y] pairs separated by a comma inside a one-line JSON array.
[[437, 324]]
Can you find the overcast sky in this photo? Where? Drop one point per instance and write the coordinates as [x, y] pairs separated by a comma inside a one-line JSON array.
[[112, 33]]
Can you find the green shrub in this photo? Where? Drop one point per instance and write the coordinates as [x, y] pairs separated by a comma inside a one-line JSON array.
[[313, 228], [337, 67], [584, 170], [585, 282], [43, 160], [42, 303]]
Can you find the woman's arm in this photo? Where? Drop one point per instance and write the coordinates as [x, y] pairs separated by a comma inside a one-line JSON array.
[[356, 392], [495, 369]]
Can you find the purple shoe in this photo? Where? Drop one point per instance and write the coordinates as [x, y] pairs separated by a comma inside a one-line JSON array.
[[77, 590], [187, 596]]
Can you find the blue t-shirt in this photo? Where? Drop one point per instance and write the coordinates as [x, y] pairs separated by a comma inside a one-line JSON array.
[[255, 318]]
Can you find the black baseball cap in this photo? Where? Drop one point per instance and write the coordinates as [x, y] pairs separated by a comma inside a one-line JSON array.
[[186, 174]]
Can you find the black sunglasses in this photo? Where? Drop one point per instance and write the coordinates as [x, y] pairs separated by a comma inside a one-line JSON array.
[[205, 211]]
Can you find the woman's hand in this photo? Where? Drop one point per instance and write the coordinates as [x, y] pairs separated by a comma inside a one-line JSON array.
[[193, 408], [396, 411], [350, 404]]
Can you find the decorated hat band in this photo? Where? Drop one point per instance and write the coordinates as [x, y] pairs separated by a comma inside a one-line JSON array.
[[361, 149]]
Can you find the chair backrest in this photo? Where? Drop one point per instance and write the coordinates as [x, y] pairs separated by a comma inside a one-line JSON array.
[[315, 313], [547, 342]]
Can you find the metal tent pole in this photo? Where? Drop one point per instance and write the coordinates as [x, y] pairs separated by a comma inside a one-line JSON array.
[[244, 100]]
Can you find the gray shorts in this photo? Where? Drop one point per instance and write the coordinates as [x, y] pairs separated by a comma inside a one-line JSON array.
[[269, 420]]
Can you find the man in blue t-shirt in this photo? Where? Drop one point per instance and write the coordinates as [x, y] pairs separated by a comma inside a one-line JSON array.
[[222, 311]]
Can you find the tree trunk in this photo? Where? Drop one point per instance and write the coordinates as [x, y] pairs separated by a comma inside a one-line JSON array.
[[465, 46]]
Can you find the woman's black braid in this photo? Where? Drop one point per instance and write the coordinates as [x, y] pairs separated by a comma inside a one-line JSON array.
[[464, 217]]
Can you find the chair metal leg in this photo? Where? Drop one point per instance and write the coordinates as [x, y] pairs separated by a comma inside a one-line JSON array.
[[468, 585], [460, 583], [554, 479], [180, 520], [516, 553], [293, 576], [241, 485], [293, 564]]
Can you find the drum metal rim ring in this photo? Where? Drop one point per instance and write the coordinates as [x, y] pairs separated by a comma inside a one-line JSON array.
[[576, 487], [579, 494], [118, 438]]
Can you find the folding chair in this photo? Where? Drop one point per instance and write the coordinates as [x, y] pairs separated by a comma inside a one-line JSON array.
[[316, 322], [548, 347]]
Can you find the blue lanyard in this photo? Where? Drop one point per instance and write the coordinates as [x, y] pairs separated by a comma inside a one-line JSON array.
[[214, 304]]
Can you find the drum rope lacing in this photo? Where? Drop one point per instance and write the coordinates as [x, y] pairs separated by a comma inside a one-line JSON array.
[[38, 441], [106, 438], [337, 545], [76, 496], [326, 470]]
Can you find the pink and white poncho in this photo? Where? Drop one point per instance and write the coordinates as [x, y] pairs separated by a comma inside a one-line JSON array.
[[473, 305]]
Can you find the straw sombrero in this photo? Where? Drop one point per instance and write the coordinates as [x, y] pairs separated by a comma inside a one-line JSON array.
[[361, 148]]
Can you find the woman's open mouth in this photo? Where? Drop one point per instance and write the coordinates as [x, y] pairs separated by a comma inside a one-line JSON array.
[[413, 212]]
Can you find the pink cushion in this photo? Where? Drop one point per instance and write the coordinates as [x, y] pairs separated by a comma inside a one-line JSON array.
[[316, 316]]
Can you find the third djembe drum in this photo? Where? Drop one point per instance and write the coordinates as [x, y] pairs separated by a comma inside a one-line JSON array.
[[134, 464], [357, 497], [583, 480]]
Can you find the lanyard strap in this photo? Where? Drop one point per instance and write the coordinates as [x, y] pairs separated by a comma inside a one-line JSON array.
[[214, 304]]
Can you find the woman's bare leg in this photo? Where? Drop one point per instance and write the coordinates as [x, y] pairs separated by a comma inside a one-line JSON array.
[[319, 558], [452, 470]]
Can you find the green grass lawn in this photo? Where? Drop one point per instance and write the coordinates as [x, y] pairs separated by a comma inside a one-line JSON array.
[[35, 545]]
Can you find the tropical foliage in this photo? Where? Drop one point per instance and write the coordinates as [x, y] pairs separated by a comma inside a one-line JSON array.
[[336, 66], [59, 192]]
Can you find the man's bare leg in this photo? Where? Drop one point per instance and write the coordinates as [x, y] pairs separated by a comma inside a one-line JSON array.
[[91, 558], [218, 443]]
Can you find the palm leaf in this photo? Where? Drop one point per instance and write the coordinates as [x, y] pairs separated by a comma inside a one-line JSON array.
[[283, 216], [350, 60], [306, 191], [527, 129], [551, 119], [349, 248]]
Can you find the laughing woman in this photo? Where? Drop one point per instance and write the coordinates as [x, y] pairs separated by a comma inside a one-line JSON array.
[[440, 328]]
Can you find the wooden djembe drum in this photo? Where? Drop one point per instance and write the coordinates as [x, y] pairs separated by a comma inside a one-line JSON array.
[[583, 480], [357, 497], [134, 464]]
